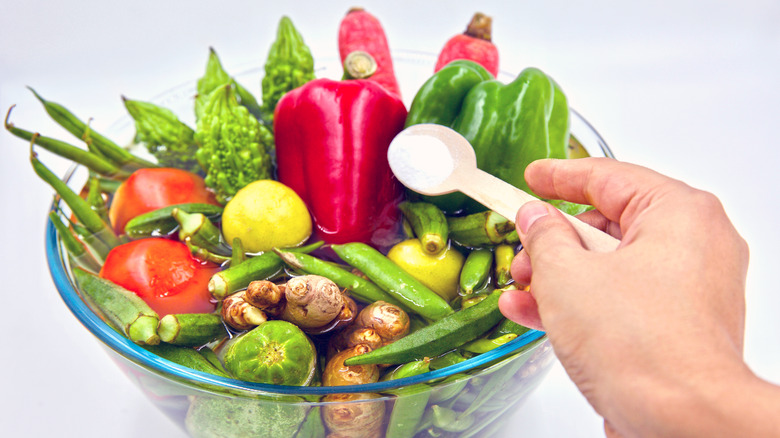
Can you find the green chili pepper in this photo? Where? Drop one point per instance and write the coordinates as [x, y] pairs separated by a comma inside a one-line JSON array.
[[508, 125], [289, 65], [394, 280], [443, 335], [476, 270]]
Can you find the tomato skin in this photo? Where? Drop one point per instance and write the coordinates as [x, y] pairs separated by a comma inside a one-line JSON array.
[[163, 273], [149, 189]]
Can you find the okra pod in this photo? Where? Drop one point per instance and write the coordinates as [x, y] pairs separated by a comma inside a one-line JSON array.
[[96, 142], [91, 161], [476, 270], [394, 280], [507, 326], [73, 245], [80, 208], [191, 329], [200, 232], [428, 223], [483, 345], [261, 267], [212, 357], [185, 356], [161, 222], [504, 254], [95, 199], [487, 228], [237, 255], [360, 288], [441, 336], [123, 308]]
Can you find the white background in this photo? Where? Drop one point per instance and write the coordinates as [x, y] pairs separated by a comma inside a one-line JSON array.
[[689, 88]]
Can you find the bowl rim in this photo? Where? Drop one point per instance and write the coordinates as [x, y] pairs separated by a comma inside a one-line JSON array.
[[59, 270]]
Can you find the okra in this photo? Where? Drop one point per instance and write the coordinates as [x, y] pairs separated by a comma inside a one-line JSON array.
[[80, 208], [441, 336], [206, 255], [394, 280], [360, 288], [73, 245], [90, 160], [507, 326], [191, 329], [487, 228], [476, 270], [504, 254], [312, 426], [237, 256], [95, 199], [473, 299], [161, 222], [123, 308], [212, 357], [185, 356], [262, 267], [200, 232], [95, 142], [428, 223], [483, 345]]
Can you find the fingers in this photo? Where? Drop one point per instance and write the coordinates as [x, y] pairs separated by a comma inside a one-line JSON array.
[[607, 184], [520, 307], [544, 230]]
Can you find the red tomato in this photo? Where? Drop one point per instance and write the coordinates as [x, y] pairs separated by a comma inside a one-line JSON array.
[[149, 189], [163, 273]]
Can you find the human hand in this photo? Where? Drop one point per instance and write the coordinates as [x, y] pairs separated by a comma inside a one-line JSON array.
[[653, 323]]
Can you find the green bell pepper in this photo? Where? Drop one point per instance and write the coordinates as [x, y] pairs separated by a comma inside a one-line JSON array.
[[508, 125]]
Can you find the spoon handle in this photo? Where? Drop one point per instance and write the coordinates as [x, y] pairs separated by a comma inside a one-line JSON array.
[[505, 199]]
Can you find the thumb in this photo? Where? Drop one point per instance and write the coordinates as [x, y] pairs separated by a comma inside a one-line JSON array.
[[544, 229]]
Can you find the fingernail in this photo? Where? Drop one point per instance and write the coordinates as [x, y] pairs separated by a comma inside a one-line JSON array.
[[529, 213]]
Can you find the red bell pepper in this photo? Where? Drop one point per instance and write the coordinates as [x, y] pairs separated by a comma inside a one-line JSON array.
[[331, 148]]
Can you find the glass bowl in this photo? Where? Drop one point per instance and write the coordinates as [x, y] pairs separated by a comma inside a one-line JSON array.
[[471, 398]]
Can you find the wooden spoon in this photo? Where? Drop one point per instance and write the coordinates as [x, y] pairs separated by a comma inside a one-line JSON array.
[[436, 160]]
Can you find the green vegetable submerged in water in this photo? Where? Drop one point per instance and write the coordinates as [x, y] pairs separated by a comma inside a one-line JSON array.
[[235, 148], [166, 137], [289, 65]]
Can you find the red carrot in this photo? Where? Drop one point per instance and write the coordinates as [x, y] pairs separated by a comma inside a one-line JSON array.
[[359, 30], [474, 44]]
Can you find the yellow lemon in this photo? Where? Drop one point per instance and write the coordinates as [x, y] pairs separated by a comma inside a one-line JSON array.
[[440, 272], [266, 214]]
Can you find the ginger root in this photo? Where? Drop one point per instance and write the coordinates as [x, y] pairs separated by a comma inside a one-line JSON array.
[[239, 314]]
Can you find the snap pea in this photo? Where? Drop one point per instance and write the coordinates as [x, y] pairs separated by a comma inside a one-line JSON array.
[[439, 337], [360, 288], [487, 228], [428, 223], [160, 222], [476, 270], [124, 309], [408, 369], [95, 142], [73, 245], [261, 267], [408, 411], [497, 379], [191, 329], [448, 388], [504, 254], [394, 280], [449, 420], [450, 358]]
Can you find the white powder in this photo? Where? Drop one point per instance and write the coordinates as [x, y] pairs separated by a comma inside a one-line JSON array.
[[420, 161]]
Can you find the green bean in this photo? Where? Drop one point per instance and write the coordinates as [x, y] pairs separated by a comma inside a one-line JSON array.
[[191, 329], [124, 309], [95, 142], [90, 160], [91, 220], [360, 288], [73, 245], [394, 280], [476, 270], [449, 332]]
